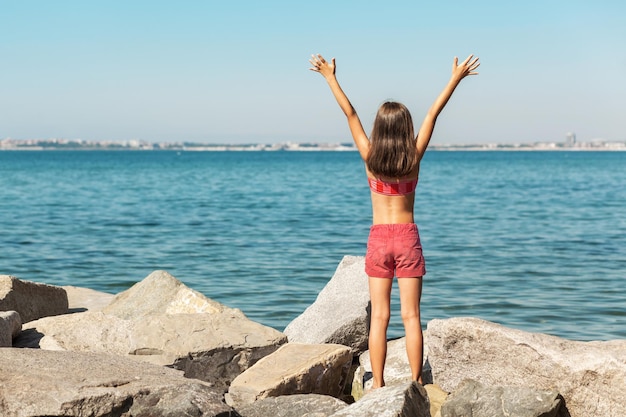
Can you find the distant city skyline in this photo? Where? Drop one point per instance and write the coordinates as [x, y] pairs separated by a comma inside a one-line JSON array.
[[9, 144], [238, 73]]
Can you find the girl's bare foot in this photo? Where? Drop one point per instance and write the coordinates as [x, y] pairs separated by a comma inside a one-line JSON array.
[[372, 388]]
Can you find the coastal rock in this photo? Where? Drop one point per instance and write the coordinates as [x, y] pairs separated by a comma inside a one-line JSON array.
[[436, 397], [341, 312], [293, 369], [44, 383], [212, 348], [81, 332], [402, 400], [10, 327], [85, 299], [30, 299], [179, 328], [397, 369], [297, 405], [591, 376], [474, 399], [162, 293]]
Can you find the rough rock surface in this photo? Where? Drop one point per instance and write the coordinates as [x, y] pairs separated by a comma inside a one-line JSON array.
[[298, 405], [161, 293], [591, 376], [10, 327], [175, 326], [293, 369], [88, 332], [402, 400], [341, 312], [30, 299], [44, 383], [474, 399], [436, 397]]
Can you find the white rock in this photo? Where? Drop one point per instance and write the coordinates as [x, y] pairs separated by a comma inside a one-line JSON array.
[[591, 376], [293, 369], [341, 312], [161, 293]]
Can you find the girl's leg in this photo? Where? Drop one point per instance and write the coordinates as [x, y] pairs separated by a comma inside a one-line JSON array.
[[380, 298], [410, 295]]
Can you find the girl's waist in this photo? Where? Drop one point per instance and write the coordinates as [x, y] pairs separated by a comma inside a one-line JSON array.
[[394, 229]]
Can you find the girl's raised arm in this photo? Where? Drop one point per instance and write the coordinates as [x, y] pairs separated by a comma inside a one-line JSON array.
[[459, 71], [327, 69]]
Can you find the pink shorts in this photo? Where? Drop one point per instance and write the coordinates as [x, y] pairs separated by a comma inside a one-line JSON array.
[[394, 249]]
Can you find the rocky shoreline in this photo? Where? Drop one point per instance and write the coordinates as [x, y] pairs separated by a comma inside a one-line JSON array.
[[163, 349]]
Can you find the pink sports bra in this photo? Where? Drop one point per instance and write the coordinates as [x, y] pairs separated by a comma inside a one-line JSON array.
[[403, 187]]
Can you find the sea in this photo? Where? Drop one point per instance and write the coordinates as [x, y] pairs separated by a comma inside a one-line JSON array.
[[533, 240]]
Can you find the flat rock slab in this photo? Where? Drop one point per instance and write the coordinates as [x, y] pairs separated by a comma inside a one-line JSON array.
[[297, 405], [44, 383], [293, 369], [85, 299], [30, 299], [341, 312], [591, 376], [402, 400], [87, 332]]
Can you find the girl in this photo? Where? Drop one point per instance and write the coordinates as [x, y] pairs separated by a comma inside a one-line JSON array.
[[392, 158]]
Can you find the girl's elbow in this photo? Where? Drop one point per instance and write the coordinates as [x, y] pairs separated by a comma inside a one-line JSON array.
[[432, 115], [350, 112]]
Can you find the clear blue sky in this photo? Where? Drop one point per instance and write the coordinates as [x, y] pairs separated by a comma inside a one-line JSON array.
[[237, 71]]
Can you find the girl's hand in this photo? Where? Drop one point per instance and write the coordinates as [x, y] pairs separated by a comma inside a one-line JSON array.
[[319, 64], [467, 67]]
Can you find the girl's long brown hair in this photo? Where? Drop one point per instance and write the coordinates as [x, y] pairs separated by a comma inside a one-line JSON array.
[[393, 151]]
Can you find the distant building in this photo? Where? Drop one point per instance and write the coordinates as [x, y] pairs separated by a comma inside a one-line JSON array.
[[570, 139]]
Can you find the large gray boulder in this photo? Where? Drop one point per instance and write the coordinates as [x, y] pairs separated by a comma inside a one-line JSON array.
[[591, 376], [172, 325], [44, 383], [297, 405], [293, 369], [30, 299], [474, 399], [10, 327], [402, 400], [341, 312]]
